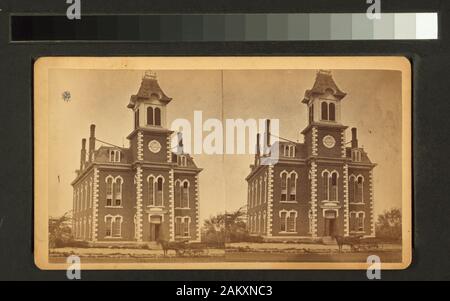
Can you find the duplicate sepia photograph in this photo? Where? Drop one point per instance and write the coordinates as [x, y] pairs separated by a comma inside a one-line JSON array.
[[222, 162]]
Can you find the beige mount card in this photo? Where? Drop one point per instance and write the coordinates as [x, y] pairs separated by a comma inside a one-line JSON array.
[[222, 162]]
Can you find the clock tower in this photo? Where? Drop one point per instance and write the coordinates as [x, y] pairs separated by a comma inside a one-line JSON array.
[[324, 133], [150, 139], [325, 136]]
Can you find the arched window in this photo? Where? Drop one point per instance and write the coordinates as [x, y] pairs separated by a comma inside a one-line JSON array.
[[334, 187], [182, 160], [177, 194], [151, 191], [157, 116], [159, 192], [324, 107], [291, 224], [256, 192], [117, 227], [325, 178], [91, 198], [357, 221], [109, 191], [88, 203], [115, 155], [185, 195], [359, 185], [264, 191], [292, 186], [260, 191], [118, 192], [352, 189], [288, 221], [150, 116], [311, 113], [331, 112], [284, 186]]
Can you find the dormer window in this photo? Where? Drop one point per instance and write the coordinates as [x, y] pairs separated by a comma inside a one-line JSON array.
[[153, 116], [115, 155], [356, 155], [182, 160], [328, 111], [289, 151]]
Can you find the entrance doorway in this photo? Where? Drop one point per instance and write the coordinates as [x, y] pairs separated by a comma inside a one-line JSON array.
[[154, 232], [155, 228], [330, 223]]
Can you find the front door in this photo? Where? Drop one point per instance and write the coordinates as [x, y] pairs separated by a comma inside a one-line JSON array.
[[154, 232], [330, 224]]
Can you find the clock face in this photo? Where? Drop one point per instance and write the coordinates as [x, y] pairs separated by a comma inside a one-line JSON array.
[[329, 141], [154, 146]]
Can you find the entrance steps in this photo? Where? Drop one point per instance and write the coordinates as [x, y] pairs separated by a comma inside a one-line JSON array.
[[328, 240]]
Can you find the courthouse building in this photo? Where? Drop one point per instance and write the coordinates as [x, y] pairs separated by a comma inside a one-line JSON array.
[[146, 192], [320, 188]]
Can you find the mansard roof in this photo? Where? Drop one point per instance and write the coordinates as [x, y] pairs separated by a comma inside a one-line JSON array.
[[149, 87], [364, 156], [324, 84]]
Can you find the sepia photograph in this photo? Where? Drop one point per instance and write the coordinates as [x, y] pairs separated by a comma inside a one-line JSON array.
[[222, 162]]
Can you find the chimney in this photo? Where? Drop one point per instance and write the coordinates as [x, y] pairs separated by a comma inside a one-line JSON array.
[[354, 138], [267, 142], [91, 142], [180, 149], [258, 151], [83, 153]]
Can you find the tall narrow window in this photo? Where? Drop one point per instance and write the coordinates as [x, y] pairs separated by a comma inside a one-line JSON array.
[[185, 195], [291, 224], [260, 191], [109, 191], [264, 190], [331, 112], [91, 197], [159, 192], [150, 116], [360, 222], [157, 116], [325, 178], [284, 187], [359, 193], [151, 191], [182, 160], [82, 198], [136, 119], [116, 227], [177, 194], [334, 190], [118, 192], [324, 107], [292, 187], [178, 226], [283, 221], [351, 189], [108, 224], [186, 226]]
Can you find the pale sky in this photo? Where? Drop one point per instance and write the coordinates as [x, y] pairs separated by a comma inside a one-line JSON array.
[[372, 104]]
